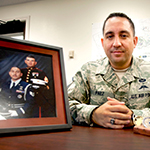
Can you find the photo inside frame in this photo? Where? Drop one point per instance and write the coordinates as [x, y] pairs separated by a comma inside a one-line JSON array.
[[44, 94]]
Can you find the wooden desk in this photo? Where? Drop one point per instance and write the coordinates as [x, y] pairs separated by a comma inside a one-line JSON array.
[[79, 138]]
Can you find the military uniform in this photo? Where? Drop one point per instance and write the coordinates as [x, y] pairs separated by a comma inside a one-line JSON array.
[[32, 73], [19, 98], [97, 80], [42, 97]]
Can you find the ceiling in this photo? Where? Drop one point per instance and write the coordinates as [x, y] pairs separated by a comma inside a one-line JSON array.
[[13, 2]]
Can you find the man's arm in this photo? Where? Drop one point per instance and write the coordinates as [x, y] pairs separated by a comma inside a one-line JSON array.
[[30, 102], [79, 100]]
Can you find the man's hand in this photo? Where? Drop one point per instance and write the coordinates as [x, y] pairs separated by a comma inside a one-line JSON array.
[[112, 109]]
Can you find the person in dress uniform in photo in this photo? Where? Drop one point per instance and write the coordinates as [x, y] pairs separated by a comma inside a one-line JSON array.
[[39, 81], [17, 97], [31, 72]]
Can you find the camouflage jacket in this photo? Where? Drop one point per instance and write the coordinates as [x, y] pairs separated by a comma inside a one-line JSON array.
[[96, 81]]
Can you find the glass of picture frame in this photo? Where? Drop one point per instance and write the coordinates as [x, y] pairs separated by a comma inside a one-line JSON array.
[[53, 113]]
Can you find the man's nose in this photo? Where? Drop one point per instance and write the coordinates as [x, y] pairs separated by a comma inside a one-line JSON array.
[[14, 73], [117, 42]]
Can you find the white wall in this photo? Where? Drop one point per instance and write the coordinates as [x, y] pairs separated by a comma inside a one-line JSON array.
[[68, 23]]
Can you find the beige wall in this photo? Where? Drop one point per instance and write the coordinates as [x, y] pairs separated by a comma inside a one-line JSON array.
[[68, 23]]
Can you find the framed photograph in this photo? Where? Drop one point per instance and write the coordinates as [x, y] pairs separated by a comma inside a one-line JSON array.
[[33, 90]]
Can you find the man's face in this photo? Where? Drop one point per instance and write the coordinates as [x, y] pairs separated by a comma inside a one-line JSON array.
[[15, 73], [30, 62], [119, 42]]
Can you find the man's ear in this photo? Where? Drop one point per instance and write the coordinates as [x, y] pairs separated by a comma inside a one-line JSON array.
[[135, 40], [102, 41], [25, 61]]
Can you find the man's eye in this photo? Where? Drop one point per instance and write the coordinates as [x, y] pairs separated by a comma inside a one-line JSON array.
[[124, 35], [109, 37]]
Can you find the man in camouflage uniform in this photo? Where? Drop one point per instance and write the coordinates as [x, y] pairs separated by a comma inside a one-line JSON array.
[[109, 91]]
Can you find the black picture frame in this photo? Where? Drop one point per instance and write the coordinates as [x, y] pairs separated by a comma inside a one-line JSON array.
[[62, 119]]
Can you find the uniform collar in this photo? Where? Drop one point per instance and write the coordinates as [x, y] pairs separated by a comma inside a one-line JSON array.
[[16, 82], [135, 68], [31, 68], [103, 67]]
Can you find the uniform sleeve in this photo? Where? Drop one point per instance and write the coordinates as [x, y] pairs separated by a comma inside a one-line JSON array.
[[30, 102], [79, 99], [143, 70]]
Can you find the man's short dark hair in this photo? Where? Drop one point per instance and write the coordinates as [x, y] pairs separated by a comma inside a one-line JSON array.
[[118, 14], [30, 56], [15, 67]]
